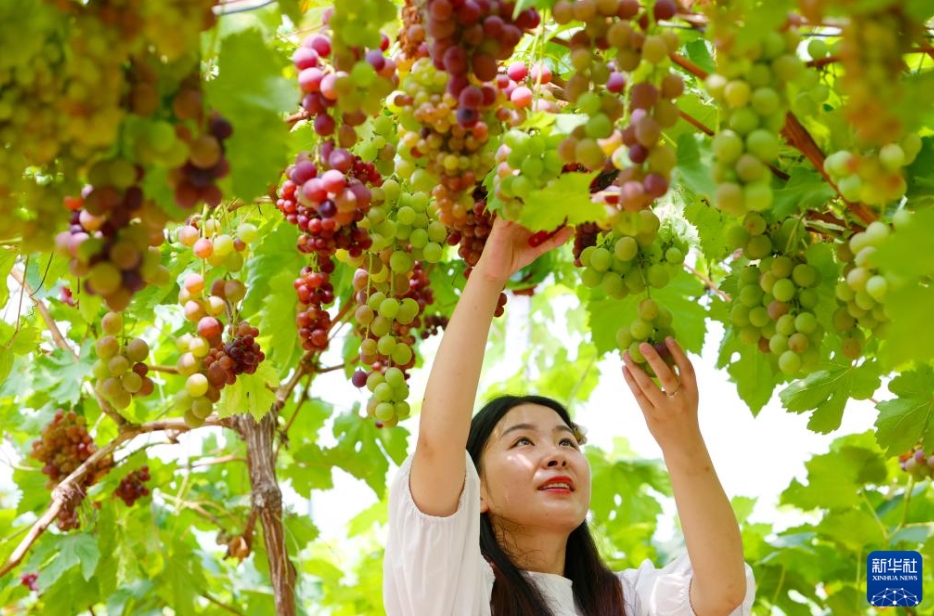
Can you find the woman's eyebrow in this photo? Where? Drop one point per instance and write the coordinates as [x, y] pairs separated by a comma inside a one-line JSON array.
[[533, 428]]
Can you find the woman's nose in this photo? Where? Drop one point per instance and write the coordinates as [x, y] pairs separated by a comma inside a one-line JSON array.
[[557, 459]]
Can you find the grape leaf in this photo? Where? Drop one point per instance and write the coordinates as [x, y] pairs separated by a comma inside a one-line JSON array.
[[910, 337], [752, 371], [854, 528], [920, 182], [900, 253], [252, 93], [907, 419], [699, 54], [693, 169], [63, 374], [73, 550], [375, 514], [805, 189], [311, 470], [277, 318], [291, 9], [7, 259], [607, 315], [275, 254], [300, 532], [710, 225], [360, 449], [250, 394], [831, 484], [827, 391], [565, 200]]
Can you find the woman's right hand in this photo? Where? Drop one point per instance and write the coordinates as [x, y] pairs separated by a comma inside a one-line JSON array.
[[508, 249]]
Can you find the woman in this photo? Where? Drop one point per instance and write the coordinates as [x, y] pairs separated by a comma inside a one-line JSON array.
[[499, 529]]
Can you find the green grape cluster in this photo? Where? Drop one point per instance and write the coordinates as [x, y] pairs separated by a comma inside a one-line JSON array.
[[750, 86], [120, 372], [357, 24], [638, 255], [776, 296], [874, 177], [525, 162], [390, 391], [862, 290], [652, 325], [404, 222]]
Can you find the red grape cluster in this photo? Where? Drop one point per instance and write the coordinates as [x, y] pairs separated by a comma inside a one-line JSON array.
[[342, 88], [315, 294], [432, 325], [585, 234], [240, 354], [132, 487], [469, 38], [412, 35], [64, 446], [114, 235], [327, 202], [196, 180]]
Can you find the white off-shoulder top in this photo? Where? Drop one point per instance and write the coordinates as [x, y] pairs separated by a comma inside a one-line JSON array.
[[433, 566]]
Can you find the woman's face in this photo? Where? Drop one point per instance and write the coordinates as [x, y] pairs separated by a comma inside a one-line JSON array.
[[533, 472]]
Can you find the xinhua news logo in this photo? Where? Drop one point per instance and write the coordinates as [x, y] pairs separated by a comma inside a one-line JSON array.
[[893, 578]]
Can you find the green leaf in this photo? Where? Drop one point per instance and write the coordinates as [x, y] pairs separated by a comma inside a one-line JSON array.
[[75, 549], [831, 485], [907, 419], [300, 532], [827, 391], [361, 446], [899, 253], [64, 375], [7, 259], [565, 200], [804, 190], [917, 175], [855, 529], [711, 226], [607, 315], [753, 373], [699, 54], [276, 254], [252, 93], [251, 393], [909, 338], [374, 515], [291, 9], [694, 164]]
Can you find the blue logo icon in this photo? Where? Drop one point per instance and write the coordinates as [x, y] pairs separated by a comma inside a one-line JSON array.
[[893, 578]]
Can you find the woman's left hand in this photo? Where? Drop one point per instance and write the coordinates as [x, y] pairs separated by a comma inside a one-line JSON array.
[[670, 411]]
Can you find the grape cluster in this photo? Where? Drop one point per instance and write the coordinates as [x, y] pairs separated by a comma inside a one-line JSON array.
[[862, 290], [208, 240], [132, 487], [917, 463], [241, 354], [389, 393], [470, 237], [872, 51], [357, 26], [412, 36], [64, 446], [439, 152], [173, 27], [404, 224], [114, 235], [876, 177], [196, 180], [342, 85], [526, 89], [315, 294], [636, 256], [121, 371], [327, 201], [585, 235], [776, 296], [469, 38], [751, 87], [526, 162]]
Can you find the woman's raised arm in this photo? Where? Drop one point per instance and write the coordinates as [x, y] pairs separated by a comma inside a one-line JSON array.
[[711, 532], [438, 466]]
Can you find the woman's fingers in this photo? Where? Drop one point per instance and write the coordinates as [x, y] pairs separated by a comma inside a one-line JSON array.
[[685, 368], [641, 399], [666, 377], [642, 381]]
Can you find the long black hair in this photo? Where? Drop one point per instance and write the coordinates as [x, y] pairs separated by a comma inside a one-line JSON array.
[[597, 590]]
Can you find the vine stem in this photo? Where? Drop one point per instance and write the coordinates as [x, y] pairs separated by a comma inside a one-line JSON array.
[[71, 484], [60, 341], [221, 605], [710, 284]]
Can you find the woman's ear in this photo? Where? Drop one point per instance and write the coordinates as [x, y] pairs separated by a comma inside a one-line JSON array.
[[484, 503]]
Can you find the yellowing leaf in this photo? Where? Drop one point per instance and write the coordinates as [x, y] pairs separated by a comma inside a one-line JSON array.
[[251, 393]]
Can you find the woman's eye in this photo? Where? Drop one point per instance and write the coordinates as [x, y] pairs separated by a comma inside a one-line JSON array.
[[522, 440], [571, 442]]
